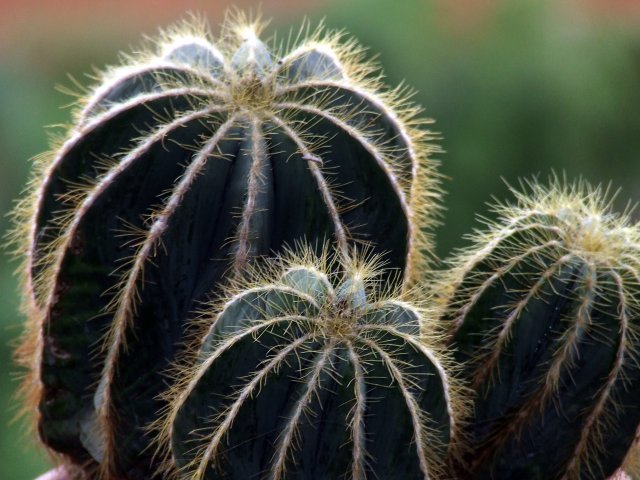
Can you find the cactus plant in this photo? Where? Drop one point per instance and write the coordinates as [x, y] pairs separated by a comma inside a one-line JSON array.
[[330, 379], [156, 319], [543, 313], [181, 168]]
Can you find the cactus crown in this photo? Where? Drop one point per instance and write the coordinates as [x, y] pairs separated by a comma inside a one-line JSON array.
[[589, 226], [345, 356], [542, 311], [575, 217], [585, 224]]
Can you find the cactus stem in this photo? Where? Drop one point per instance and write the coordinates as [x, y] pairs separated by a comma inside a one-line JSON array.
[[69, 230], [506, 328], [376, 151], [187, 381], [565, 354], [232, 411], [546, 303], [368, 354], [417, 416], [604, 395], [494, 277], [289, 430], [125, 302], [305, 150], [445, 377], [561, 357], [191, 39], [323, 186], [42, 283]]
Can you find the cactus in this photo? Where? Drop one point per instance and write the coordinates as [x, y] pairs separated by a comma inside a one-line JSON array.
[[181, 168], [173, 334], [543, 314], [306, 372]]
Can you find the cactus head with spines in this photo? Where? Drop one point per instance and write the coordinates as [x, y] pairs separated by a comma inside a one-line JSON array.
[[182, 167], [544, 318], [327, 375]]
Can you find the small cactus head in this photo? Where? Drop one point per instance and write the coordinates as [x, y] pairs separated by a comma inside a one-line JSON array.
[[543, 314], [307, 372], [180, 169]]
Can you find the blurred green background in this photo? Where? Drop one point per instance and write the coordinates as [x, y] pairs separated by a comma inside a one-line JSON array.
[[517, 88]]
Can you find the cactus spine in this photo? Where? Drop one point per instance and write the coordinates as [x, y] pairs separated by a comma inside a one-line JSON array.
[[330, 379], [543, 314], [181, 167]]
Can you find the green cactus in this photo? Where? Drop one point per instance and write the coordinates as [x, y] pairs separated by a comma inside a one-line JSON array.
[[180, 168], [543, 314], [307, 373], [173, 334]]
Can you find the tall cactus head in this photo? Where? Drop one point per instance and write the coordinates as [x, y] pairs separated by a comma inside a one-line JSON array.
[[180, 168], [307, 372], [544, 317]]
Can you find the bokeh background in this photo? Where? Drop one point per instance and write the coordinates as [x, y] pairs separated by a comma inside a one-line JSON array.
[[517, 88]]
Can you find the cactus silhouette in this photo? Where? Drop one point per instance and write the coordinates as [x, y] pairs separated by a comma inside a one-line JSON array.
[[182, 167], [543, 314], [331, 379]]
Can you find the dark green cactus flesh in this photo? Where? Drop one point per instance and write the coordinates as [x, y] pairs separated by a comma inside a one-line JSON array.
[[544, 318], [304, 375], [181, 169]]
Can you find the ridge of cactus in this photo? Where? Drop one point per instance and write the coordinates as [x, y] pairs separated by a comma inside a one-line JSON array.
[[542, 311], [330, 376], [118, 222]]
